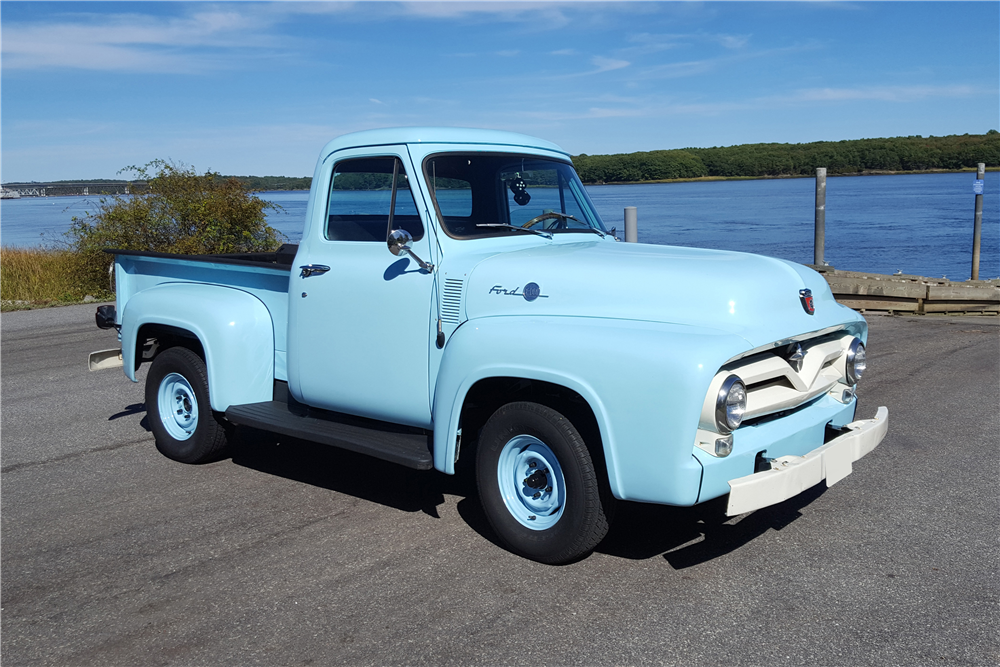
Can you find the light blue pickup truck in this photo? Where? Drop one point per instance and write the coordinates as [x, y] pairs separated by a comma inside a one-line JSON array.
[[456, 297]]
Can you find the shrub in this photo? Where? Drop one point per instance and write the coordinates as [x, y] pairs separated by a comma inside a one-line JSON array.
[[179, 212]]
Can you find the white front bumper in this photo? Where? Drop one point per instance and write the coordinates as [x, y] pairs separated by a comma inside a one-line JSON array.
[[791, 475]]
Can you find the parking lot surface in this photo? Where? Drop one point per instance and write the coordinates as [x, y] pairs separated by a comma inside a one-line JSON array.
[[289, 553]]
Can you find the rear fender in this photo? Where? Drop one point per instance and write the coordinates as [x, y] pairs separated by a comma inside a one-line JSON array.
[[233, 326]]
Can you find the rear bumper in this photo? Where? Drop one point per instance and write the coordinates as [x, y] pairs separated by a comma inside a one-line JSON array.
[[791, 475]]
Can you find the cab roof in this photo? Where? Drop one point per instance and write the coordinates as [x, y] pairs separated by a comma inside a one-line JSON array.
[[437, 135]]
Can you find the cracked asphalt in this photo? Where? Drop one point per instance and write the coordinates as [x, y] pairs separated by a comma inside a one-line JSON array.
[[295, 554]]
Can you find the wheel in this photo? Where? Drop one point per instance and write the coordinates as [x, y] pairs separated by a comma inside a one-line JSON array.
[[538, 485], [180, 415]]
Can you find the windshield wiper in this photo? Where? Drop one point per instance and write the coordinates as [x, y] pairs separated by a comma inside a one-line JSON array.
[[552, 215], [595, 230], [515, 227]]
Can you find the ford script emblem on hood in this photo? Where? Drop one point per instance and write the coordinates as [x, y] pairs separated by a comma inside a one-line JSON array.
[[806, 296], [530, 292]]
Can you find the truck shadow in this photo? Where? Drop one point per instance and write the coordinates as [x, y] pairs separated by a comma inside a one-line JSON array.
[[688, 536], [683, 536], [343, 471]]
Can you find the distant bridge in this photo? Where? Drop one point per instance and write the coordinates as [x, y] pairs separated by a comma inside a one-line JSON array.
[[64, 188]]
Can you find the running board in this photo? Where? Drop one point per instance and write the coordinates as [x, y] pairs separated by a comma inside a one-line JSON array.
[[389, 442]]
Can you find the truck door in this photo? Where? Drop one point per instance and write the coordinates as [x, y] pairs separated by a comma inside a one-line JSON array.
[[359, 317]]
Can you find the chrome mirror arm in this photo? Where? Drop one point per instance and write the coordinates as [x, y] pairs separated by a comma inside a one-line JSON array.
[[399, 242]]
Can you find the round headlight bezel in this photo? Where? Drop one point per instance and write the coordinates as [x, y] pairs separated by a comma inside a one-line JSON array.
[[728, 420], [856, 362]]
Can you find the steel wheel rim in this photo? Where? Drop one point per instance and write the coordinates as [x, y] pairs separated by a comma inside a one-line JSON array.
[[178, 406], [537, 505]]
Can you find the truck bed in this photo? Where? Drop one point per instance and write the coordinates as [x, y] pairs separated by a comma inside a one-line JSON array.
[[264, 275], [283, 256]]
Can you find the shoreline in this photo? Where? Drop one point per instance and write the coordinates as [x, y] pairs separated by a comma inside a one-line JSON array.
[[709, 179], [699, 179]]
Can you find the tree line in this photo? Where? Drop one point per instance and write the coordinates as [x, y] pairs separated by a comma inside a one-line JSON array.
[[266, 183], [853, 156], [856, 156]]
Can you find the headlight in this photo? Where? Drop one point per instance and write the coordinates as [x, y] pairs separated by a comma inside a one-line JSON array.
[[855, 365], [730, 404]]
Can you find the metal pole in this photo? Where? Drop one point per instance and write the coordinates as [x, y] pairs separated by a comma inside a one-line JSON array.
[[977, 228], [819, 240], [631, 225]]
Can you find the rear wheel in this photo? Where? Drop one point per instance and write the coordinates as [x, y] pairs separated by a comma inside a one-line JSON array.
[[538, 485], [180, 415]]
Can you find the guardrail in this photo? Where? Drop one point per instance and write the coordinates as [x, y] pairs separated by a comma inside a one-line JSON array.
[[917, 295]]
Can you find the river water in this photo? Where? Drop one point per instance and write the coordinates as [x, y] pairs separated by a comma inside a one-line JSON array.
[[915, 223]]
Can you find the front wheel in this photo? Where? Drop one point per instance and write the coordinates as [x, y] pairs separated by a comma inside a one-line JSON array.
[[180, 415], [538, 485]]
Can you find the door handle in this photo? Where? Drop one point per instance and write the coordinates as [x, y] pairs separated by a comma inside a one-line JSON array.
[[313, 269]]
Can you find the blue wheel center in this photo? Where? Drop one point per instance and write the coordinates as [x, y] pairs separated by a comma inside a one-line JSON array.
[[531, 482], [178, 406]]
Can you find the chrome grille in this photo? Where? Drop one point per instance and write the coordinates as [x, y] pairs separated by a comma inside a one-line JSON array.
[[775, 384]]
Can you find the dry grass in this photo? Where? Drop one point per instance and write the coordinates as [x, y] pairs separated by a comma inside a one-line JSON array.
[[37, 277]]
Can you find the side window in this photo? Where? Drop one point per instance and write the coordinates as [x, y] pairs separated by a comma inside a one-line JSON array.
[[361, 197]]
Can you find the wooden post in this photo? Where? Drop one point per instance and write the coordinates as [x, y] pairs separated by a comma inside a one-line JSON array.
[[977, 227], [819, 240], [631, 225]]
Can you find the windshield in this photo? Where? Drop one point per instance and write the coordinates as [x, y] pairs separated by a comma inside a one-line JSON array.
[[489, 194]]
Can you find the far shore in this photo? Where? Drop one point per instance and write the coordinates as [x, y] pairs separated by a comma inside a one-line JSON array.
[[700, 179]]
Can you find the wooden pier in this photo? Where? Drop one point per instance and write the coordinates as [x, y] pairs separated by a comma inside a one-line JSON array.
[[916, 295]]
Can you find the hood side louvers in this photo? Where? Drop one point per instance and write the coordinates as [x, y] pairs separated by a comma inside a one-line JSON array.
[[451, 301]]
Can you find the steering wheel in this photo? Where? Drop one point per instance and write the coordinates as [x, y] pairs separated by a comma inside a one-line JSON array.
[[560, 217]]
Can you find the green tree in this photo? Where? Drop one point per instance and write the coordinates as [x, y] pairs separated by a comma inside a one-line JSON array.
[[180, 212]]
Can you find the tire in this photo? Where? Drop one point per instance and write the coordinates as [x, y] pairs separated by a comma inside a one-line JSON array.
[[538, 485], [180, 414]]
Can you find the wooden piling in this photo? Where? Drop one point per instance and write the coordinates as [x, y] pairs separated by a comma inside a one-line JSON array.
[[631, 225], [977, 227], [819, 239]]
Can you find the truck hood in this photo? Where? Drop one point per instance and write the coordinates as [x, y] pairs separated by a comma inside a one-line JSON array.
[[748, 295]]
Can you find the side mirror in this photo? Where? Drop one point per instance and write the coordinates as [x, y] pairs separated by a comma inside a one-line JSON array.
[[399, 242]]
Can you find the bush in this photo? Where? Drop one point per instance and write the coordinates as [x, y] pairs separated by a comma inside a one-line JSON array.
[[179, 212]]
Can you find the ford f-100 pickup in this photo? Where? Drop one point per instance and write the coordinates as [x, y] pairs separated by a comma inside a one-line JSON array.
[[455, 295]]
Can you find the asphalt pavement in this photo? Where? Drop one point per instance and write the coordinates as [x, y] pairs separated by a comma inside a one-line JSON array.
[[289, 553]]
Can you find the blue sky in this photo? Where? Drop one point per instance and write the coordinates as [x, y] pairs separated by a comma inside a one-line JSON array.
[[258, 88]]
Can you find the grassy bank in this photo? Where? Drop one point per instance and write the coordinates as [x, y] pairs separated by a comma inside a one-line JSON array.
[[36, 277]]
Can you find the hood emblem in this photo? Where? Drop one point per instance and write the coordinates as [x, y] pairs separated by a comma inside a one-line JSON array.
[[806, 297], [795, 358], [530, 292]]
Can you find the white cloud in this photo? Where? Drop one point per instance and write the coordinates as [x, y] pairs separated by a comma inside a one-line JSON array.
[[733, 41], [646, 43], [548, 14], [607, 64], [882, 93], [129, 42]]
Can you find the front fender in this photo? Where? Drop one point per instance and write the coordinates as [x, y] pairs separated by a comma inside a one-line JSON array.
[[233, 326], [645, 383]]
